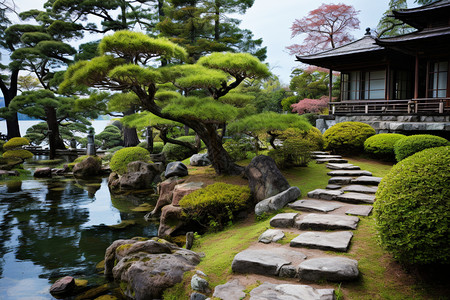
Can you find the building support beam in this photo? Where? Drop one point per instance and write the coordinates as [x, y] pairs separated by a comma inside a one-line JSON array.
[[330, 88], [416, 78]]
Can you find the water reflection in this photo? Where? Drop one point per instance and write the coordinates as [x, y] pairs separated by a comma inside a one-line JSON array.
[[57, 227]]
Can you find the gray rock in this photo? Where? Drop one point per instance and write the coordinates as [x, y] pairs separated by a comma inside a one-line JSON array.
[[333, 186], [319, 153], [197, 296], [43, 173], [176, 168], [199, 284], [360, 189], [283, 220], [314, 205], [334, 241], [349, 173], [265, 180], [278, 201], [331, 160], [367, 180], [89, 167], [327, 222], [327, 156], [356, 198], [189, 240], [288, 271], [171, 220], [200, 160], [165, 191], [394, 126], [140, 175], [62, 286], [360, 210], [324, 194], [270, 291], [183, 189], [435, 126], [329, 268], [231, 290], [334, 166], [340, 180], [258, 262], [271, 235]]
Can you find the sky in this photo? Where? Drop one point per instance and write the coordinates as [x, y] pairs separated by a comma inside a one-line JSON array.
[[271, 20]]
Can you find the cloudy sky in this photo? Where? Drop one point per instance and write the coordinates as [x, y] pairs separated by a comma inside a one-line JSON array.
[[272, 19]]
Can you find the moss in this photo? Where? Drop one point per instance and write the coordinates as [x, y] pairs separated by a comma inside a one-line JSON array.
[[123, 247], [81, 158], [143, 208], [123, 224], [100, 265], [92, 293], [81, 282], [124, 156]]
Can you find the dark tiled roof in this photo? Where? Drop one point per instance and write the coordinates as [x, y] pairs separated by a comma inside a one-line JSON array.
[[415, 36]]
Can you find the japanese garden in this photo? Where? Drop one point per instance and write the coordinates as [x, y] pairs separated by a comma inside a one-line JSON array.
[[148, 150]]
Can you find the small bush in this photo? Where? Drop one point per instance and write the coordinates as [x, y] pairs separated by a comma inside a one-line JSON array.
[[412, 208], [175, 152], [313, 135], [382, 145], [157, 146], [216, 204], [347, 137], [81, 158], [124, 156], [19, 153], [110, 137], [294, 152], [415, 143], [237, 148], [16, 142]]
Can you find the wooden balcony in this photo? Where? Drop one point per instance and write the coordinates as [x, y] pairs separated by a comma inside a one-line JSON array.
[[422, 106]]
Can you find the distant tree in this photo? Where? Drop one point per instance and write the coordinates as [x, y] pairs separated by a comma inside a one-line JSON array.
[[27, 83], [326, 27], [390, 26]]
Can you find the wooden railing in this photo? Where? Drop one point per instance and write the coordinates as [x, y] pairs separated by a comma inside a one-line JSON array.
[[426, 106]]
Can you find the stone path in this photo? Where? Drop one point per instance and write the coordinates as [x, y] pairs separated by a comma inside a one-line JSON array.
[[324, 223]]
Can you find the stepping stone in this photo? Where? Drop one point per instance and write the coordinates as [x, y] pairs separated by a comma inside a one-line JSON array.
[[271, 235], [333, 187], [340, 180], [329, 268], [324, 194], [367, 180], [265, 262], [327, 222], [349, 173], [319, 153], [342, 166], [283, 220], [327, 156], [361, 210], [360, 189], [314, 205], [272, 291], [231, 290], [356, 198], [334, 241], [331, 160]]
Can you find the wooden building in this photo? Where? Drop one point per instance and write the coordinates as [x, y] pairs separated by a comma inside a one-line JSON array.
[[406, 75]]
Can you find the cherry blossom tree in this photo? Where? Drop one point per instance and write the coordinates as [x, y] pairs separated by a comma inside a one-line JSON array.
[[326, 27], [310, 105]]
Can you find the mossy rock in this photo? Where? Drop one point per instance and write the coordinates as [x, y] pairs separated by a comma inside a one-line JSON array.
[[124, 156], [143, 208], [81, 282], [124, 224]]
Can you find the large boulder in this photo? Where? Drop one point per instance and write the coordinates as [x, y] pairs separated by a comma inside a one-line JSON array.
[[146, 268], [43, 173], [200, 160], [176, 168], [165, 191], [89, 167], [278, 201], [140, 175], [62, 287], [184, 189], [265, 179], [171, 220]]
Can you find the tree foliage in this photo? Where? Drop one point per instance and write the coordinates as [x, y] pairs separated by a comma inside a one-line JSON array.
[[390, 26], [327, 26], [310, 105]]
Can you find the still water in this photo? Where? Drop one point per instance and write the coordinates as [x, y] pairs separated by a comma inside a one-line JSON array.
[[57, 227]]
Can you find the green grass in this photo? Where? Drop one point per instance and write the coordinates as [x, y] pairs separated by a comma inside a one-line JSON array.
[[308, 178], [378, 168]]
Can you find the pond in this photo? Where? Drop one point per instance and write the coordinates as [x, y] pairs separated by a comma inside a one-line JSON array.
[[61, 226]]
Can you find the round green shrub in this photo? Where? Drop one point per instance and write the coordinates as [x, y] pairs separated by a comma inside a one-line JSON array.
[[347, 137], [157, 146], [18, 153], [237, 148], [110, 137], [415, 143], [216, 204], [174, 152], [382, 145], [412, 208], [15, 142], [124, 156]]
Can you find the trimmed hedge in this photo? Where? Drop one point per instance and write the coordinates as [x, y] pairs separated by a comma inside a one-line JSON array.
[[16, 142], [382, 145], [416, 143], [216, 204], [124, 156], [18, 153], [347, 137], [412, 209]]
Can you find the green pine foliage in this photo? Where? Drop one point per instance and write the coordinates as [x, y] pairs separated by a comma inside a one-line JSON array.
[[110, 137], [238, 147], [381, 145], [124, 156], [412, 208], [216, 205], [415, 143], [347, 137], [16, 142], [174, 152]]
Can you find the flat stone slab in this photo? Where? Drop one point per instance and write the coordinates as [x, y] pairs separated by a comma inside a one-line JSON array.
[[271, 291], [331, 160], [360, 189], [334, 166], [271, 235], [327, 222], [368, 180], [356, 198], [333, 187], [232, 290], [340, 180], [314, 205], [353, 173], [329, 268], [324, 194], [334, 241], [320, 156], [319, 153], [283, 220], [361, 210]]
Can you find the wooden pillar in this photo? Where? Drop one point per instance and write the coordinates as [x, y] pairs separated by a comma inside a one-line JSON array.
[[416, 78], [330, 89]]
